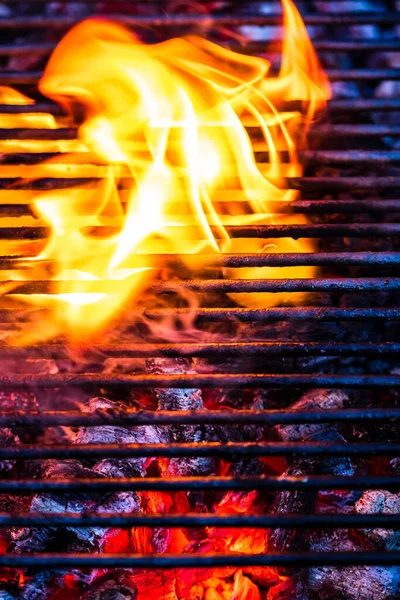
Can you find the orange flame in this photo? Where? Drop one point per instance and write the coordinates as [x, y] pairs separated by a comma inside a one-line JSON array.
[[164, 131]]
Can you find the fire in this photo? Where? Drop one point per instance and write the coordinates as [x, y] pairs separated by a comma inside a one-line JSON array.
[[171, 163]]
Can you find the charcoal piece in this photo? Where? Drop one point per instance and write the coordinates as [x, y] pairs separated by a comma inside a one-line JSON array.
[[31, 540], [304, 502], [349, 583], [113, 585], [111, 434], [384, 503], [240, 433], [7, 438], [42, 585], [17, 401], [4, 595], [176, 400], [37, 540]]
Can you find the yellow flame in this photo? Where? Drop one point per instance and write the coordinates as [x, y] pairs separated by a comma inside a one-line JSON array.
[[165, 131]]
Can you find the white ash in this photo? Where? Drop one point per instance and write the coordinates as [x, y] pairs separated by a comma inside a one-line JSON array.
[[267, 33], [305, 502], [171, 399], [7, 439], [113, 585], [111, 434], [349, 6], [312, 400], [380, 502], [349, 583]]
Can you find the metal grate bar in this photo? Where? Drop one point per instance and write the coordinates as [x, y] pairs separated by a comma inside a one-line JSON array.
[[33, 77], [45, 48], [200, 380], [289, 259], [228, 451], [369, 205], [208, 21], [210, 417], [346, 106], [165, 561], [389, 284], [307, 184], [318, 132], [228, 349], [328, 521], [260, 315], [275, 483], [320, 230]]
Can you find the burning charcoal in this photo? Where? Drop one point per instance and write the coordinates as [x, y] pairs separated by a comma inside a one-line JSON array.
[[175, 400], [113, 585], [111, 434], [349, 583], [305, 502], [37, 540], [7, 438], [122, 502], [42, 585], [384, 503], [125, 467], [240, 433]]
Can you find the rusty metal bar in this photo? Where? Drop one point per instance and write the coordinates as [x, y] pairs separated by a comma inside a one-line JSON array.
[[308, 184], [358, 75], [289, 259], [123, 521], [228, 451], [317, 132], [362, 284], [319, 230], [336, 106], [171, 484], [340, 157], [131, 418], [359, 130], [226, 349], [209, 314], [165, 561], [181, 20], [347, 157], [249, 380], [249, 47], [322, 184], [33, 77], [348, 206]]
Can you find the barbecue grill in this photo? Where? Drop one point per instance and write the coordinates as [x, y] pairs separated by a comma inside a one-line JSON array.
[[351, 194]]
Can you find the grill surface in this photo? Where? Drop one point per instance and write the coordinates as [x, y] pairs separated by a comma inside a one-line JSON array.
[[357, 166]]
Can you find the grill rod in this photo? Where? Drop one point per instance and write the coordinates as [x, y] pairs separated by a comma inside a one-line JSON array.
[[181, 20], [289, 259], [165, 561], [210, 417], [171, 484], [228, 451], [198, 381], [329, 521], [377, 284], [336, 105], [219, 350], [261, 315], [318, 132], [320, 230], [249, 47]]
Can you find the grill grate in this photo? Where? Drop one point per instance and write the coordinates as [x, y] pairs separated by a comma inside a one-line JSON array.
[[373, 170]]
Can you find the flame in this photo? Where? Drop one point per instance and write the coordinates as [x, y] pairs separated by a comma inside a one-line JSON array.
[[165, 139]]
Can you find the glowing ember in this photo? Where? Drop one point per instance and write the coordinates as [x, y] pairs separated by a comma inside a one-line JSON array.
[[164, 135]]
